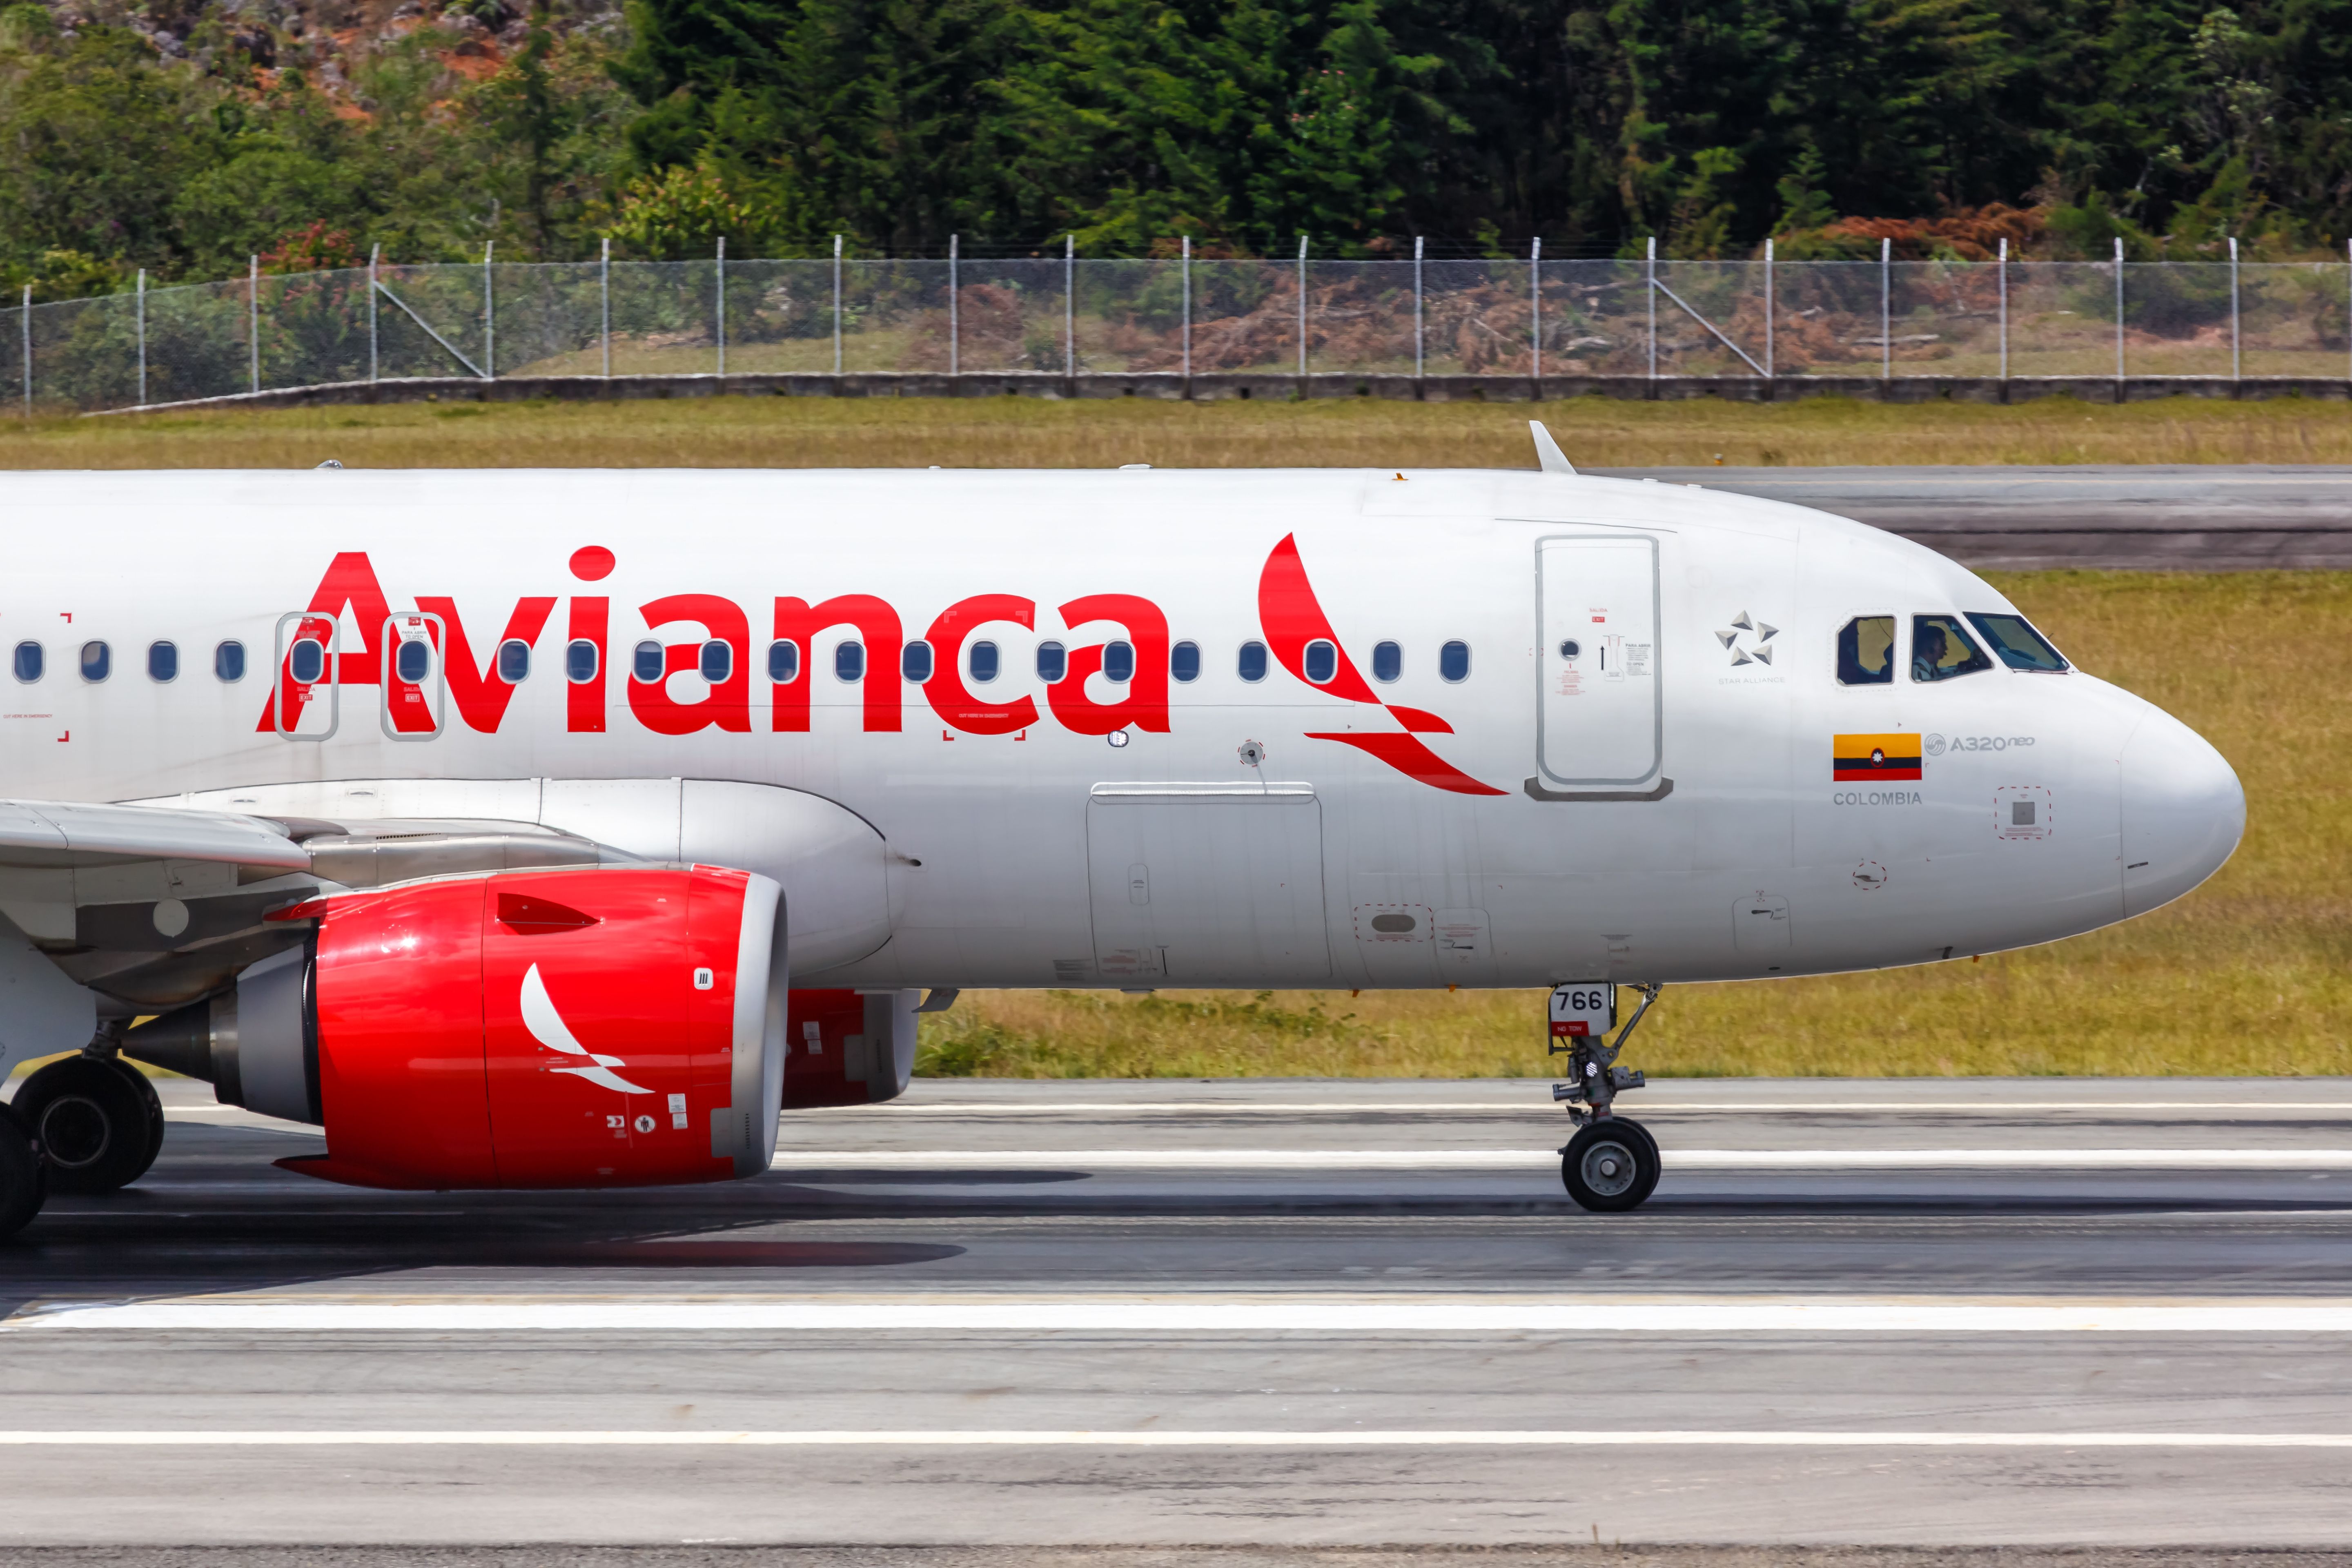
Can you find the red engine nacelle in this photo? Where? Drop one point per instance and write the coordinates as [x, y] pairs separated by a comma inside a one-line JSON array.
[[615, 1026]]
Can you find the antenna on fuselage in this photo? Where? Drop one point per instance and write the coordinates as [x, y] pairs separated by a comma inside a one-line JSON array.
[[1548, 457]]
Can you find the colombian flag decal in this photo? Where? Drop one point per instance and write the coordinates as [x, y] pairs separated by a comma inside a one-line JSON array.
[[1867, 759]]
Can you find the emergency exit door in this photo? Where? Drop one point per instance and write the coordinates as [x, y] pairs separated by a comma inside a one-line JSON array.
[[1601, 715]]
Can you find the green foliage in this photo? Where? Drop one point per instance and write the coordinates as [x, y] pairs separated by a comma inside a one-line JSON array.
[[195, 133]]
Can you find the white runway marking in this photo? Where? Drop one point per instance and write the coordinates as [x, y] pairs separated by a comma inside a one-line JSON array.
[[1343, 1438], [1326, 1316], [916, 1160]]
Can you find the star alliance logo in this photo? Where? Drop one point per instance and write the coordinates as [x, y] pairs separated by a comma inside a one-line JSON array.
[[1742, 625]]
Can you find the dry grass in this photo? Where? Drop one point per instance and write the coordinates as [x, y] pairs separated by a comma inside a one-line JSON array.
[[2252, 973], [1029, 431]]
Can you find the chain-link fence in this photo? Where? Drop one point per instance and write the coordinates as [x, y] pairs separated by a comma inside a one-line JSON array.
[[1067, 317]]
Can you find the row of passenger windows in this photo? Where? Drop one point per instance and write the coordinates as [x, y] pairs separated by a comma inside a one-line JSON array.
[[30, 661], [715, 661], [1941, 648], [984, 661]]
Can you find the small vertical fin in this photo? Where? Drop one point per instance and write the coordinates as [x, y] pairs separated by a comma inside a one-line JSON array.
[[1548, 457]]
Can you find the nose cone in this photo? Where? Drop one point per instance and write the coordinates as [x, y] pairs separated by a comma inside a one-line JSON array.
[[2183, 811]]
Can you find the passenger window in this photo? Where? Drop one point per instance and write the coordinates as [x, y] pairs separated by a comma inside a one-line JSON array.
[[646, 662], [1866, 651], [1052, 662], [514, 661], [784, 662], [1454, 661], [1253, 661], [2018, 645], [1322, 661], [306, 661], [412, 662], [984, 662], [915, 662], [29, 661], [1184, 661], [163, 661], [849, 661], [229, 661], [716, 662], [97, 661], [580, 661], [1118, 662], [1388, 661], [1940, 649]]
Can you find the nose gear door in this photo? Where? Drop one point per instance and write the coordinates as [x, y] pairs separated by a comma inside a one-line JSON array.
[[1600, 716]]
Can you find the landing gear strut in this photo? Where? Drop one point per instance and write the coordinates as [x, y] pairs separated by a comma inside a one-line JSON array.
[[1612, 1164], [96, 1119]]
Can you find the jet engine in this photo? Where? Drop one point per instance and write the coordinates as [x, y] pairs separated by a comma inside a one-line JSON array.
[[591, 1027]]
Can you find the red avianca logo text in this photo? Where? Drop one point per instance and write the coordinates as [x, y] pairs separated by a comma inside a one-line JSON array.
[[1288, 609]]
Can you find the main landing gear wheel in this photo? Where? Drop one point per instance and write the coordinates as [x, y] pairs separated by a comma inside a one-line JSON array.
[[23, 1184], [95, 1130], [144, 1089], [1610, 1166]]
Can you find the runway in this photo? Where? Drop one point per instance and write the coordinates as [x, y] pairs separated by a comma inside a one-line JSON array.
[[1266, 1315], [2189, 517]]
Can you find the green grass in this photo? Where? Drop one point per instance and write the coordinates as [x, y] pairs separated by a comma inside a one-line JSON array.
[[1033, 432], [2250, 974]]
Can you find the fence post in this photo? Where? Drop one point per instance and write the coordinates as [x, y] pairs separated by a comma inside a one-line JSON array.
[[142, 337], [2347, 308], [1069, 304], [1535, 302], [2235, 361], [24, 320], [721, 267], [604, 305], [2003, 265], [489, 317], [253, 322], [1767, 310], [1886, 310], [1186, 273], [1302, 308], [1417, 338], [2119, 310], [375, 256], [955, 322], [836, 305], [1651, 269]]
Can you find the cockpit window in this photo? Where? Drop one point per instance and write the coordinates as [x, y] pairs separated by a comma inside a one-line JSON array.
[[2019, 646], [1866, 651], [1940, 649]]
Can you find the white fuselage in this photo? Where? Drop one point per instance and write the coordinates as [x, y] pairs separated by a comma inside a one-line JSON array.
[[1532, 825]]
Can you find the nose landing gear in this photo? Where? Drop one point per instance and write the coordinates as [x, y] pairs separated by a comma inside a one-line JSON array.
[[1612, 1164]]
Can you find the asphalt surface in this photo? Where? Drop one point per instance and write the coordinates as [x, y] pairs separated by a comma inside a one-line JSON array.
[[1261, 1317], [2198, 517]]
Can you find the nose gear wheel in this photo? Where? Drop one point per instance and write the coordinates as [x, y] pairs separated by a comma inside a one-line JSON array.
[[1610, 1166]]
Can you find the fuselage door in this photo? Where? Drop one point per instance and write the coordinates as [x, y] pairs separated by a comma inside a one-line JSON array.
[[307, 699], [1206, 884], [1601, 715], [416, 695]]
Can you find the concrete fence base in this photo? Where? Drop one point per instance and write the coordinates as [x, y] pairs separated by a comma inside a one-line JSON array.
[[1280, 388]]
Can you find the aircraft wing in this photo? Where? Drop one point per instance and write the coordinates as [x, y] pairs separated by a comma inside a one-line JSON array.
[[61, 834]]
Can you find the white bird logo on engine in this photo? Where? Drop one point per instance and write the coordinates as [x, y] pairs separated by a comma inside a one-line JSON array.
[[547, 1027]]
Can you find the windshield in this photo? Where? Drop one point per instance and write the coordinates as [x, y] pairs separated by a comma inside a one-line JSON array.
[[2017, 644]]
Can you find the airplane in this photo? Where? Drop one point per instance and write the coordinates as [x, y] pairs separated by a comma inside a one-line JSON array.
[[564, 828]]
